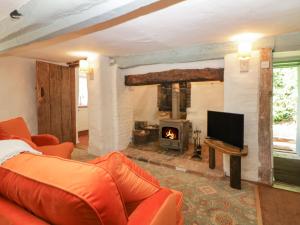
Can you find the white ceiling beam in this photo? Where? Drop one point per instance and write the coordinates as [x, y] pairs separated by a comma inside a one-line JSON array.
[[87, 17], [286, 42]]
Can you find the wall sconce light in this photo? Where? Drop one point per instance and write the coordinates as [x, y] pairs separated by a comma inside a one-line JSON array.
[[245, 49], [245, 41], [84, 67], [244, 53]]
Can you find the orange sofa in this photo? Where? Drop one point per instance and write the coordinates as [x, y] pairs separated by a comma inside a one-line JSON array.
[[45, 143], [74, 193]]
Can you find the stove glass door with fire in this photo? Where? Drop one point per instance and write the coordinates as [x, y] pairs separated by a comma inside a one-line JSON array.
[[171, 133]]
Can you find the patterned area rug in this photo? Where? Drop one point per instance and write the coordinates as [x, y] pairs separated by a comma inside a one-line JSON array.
[[209, 201]]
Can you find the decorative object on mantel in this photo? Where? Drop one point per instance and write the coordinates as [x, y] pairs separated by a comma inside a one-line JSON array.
[[197, 145]]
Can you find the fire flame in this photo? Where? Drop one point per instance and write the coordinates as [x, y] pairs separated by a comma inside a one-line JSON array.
[[170, 134]]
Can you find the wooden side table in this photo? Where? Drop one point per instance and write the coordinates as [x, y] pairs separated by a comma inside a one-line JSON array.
[[235, 159]]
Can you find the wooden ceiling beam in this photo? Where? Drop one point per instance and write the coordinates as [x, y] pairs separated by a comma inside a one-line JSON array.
[[175, 76]]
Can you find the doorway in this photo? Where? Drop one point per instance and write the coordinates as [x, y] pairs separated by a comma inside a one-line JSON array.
[[285, 103], [82, 118], [286, 123], [55, 86]]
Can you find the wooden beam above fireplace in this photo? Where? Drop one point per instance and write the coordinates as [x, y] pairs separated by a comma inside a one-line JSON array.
[[175, 76]]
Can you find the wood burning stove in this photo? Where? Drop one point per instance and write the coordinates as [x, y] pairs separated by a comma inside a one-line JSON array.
[[174, 134]]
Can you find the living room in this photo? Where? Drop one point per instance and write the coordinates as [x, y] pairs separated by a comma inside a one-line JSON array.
[[144, 64]]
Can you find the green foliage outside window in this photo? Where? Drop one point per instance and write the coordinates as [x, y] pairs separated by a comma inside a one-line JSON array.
[[285, 95]]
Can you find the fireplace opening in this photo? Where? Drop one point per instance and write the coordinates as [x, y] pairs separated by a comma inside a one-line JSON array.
[[170, 133]]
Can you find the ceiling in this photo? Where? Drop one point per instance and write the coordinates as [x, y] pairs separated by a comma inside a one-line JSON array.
[[8, 6], [57, 19], [184, 24]]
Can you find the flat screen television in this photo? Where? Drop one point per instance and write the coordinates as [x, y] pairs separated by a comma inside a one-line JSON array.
[[226, 127]]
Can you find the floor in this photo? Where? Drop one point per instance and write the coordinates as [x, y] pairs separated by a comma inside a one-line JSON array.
[[83, 139], [208, 200], [279, 207], [82, 155], [154, 154]]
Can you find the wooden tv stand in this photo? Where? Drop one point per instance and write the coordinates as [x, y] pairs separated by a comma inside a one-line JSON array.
[[235, 159]]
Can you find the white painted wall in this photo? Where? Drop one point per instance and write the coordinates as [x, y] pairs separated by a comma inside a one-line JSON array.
[[241, 95], [145, 103], [17, 90], [82, 118], [208, 95], [102, 106], [82, 114], [113, 106], [205, 96]]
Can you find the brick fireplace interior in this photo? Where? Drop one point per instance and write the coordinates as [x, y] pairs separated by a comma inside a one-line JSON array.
[[172, 111]]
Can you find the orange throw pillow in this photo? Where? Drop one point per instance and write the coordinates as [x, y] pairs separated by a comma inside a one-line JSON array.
[[16, 126], [4, 135], [134, 183], [62, 191]]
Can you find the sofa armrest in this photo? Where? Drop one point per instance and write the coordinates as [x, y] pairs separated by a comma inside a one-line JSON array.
[[159, 209], [12, 214], [44, 139]]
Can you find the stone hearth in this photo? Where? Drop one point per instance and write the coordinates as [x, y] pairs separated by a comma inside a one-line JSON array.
[[155, 154]]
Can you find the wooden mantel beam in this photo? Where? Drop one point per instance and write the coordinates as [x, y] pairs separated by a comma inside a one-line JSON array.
[[175, 76]]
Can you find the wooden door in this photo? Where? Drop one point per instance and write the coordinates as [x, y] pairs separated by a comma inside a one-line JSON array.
[[56, 100]]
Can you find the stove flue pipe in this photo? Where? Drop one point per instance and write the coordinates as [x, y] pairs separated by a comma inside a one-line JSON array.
[[175, 101]]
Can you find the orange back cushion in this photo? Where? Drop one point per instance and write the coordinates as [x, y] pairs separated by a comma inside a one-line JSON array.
[[16, 127], [134, 183], [62, 191]]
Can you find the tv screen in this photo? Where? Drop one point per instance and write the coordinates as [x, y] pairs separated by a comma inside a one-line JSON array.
[[227, 127]]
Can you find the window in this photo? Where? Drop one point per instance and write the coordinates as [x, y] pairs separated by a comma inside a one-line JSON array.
[[83, 91]]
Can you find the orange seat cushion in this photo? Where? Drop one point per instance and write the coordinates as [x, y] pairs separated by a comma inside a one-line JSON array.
[[16, 127], [134, 183], [62, 191], [179, 204]]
